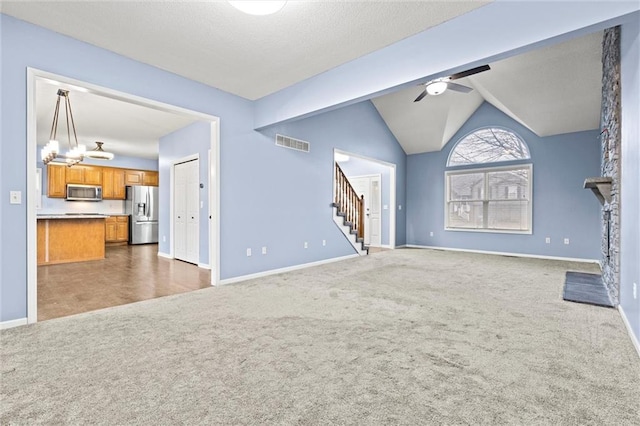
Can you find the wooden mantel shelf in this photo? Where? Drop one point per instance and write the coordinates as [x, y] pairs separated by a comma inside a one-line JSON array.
[[70, 239], [601, 187]]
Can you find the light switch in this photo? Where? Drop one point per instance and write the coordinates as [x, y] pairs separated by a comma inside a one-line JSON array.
[[15, 197], [385, 207]]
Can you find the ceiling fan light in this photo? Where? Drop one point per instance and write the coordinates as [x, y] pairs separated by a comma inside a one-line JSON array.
[[436, 88], [258, 7]]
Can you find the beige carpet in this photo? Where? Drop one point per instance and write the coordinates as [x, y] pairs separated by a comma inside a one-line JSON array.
[[398, 337]]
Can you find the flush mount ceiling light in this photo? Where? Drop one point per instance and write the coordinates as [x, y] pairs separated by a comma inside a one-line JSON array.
[[436, 88], [258, 7], [98, 153], [51, 151]]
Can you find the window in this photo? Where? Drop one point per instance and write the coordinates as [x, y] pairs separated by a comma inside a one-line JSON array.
[[489, 198]]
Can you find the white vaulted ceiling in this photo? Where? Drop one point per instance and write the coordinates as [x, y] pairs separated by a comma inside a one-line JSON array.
[[553, 90]]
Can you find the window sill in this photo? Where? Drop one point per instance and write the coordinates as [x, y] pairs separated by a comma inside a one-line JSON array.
[[490, 231]]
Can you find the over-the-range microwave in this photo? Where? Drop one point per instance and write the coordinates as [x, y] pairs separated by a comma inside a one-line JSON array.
[[84, 192]]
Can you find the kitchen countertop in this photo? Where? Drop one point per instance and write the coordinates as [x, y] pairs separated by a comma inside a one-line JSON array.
[[75, 216]]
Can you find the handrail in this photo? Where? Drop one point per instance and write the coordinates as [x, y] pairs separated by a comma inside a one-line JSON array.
[[348, 201]]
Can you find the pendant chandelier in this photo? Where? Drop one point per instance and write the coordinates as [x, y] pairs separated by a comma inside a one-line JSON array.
[[51, 151]]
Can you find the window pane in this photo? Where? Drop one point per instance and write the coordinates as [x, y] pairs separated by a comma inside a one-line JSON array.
[[509, 185], [465, 214], [467, 186], [510, 215], [489, 146]]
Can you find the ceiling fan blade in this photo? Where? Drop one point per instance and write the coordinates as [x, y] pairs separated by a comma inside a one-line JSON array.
[[472, 71], [458, 87], [422, 95]]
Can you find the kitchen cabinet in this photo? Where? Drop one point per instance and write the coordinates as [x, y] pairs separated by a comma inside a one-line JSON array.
[[113, 183], [141, 177], [84, 175], [70, 239], [150, 178], [116, 229], [56, 181]]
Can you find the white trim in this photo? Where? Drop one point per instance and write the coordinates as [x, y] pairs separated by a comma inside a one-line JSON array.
[[214, 200], [287, 269], [165, 255], [13, 323], [387, 246], [392, 188], [500, 253], [33, 75], [401, 246], [204, 266], [634, 340]]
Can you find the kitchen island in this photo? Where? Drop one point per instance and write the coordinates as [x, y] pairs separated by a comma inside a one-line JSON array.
[[66, 238]]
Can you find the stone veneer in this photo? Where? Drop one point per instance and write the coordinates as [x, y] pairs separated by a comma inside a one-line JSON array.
[[610, 140]]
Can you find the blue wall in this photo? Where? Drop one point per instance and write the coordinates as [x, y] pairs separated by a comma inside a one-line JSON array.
[[561, 208], [630, 183], [358, 167], [269, 196], [358, 129], [192, 139]]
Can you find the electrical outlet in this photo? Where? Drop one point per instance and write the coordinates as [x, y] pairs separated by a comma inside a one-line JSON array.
[[547, 240], [248, 252], [635, 290], [324, 243], [399, 206], [306, 244], [164, 238], [385, 207], [566, 241], [264, 250], [431, 234]]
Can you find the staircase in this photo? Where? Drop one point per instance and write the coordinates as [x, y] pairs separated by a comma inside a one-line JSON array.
[[349, 212]]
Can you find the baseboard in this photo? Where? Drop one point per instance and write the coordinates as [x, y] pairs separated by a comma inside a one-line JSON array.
[[633, 337], [500, 253], [204, 266], [165, 255], [13, 323], [401, 246], [287, 269]]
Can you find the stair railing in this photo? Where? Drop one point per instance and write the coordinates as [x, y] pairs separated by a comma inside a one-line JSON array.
[[348, 202]]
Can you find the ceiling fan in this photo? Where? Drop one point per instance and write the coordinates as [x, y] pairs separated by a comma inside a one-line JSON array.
[[439, 85]]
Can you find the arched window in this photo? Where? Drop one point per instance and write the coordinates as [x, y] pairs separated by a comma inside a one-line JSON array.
[[488, 145], [494, 198]]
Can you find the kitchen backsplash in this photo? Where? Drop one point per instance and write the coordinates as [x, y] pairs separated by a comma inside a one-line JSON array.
[[58, 205]]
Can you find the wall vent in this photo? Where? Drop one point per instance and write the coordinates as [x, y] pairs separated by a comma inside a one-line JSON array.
[[297, 144]]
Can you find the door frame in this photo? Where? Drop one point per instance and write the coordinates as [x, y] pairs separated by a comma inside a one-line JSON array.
[[369, 176], [33, 75], [172, 177], [392, 189]]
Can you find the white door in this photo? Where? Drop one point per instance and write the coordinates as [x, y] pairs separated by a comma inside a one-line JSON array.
[[370, 187], [186, 221]]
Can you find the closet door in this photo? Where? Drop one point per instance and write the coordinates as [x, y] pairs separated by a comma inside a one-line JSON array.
[[186, 220]]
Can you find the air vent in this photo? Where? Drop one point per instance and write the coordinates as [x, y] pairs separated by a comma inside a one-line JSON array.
[[297, 144]]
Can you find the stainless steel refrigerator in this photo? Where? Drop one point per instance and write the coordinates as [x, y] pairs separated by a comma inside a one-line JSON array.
[[141, 205]]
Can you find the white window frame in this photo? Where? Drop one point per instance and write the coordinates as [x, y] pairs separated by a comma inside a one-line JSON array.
[[485, 171]]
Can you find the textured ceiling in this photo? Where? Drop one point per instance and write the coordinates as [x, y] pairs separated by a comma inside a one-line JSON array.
[[251, 56], [553, 90], [125, 128]]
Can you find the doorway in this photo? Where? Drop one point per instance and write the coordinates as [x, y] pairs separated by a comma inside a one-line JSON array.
[[378, 177], [34, 77], [370, 187]]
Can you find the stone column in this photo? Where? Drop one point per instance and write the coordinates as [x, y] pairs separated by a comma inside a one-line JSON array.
[[610, 140]]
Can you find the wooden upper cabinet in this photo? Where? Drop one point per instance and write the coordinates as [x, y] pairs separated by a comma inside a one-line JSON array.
[[113, 187], [133, 177], [84, 175], [150, 178], [141, 177], [57, 181]]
